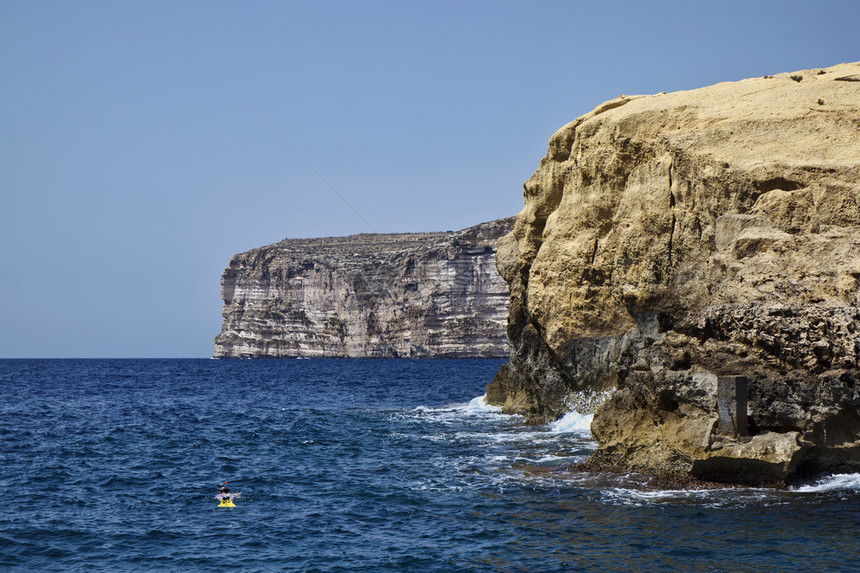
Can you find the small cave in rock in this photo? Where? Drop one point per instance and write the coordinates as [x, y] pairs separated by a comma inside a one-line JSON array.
[[777, 183], [666, 402]]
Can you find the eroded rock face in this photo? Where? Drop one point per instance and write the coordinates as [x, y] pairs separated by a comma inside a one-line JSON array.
[[370, 295], [669, 239]]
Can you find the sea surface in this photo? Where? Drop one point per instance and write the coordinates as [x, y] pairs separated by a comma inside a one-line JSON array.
[[355, 465]]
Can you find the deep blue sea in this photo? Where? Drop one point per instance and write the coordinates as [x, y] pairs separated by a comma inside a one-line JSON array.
[[355, 465]]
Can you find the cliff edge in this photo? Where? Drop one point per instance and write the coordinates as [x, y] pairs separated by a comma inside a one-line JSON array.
[[369, 295], [669, 242]]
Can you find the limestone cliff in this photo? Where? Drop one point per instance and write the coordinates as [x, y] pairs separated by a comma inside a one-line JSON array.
[[369, 295], [667, 240]]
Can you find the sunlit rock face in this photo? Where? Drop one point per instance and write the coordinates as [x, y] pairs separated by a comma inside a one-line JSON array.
[[369, 295], [670, 239]]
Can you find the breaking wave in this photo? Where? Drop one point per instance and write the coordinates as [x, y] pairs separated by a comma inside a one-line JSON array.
[[836, 482], [479, 404], [573, 422]]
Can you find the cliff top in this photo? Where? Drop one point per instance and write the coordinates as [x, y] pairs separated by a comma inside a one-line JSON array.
[[794, 118], [480, 235]]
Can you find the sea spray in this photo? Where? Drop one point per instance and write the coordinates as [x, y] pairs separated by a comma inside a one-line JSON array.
[[573, 422], [479, 404], [586, 401], [834, 482]]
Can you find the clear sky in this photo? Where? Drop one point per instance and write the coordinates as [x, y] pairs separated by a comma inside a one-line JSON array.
[[134, 162]]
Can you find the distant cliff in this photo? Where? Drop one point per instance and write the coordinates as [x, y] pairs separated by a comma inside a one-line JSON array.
[[368, 295], [673, 239]]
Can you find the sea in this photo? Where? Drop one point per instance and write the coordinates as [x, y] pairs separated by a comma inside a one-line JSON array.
[[356, 465]]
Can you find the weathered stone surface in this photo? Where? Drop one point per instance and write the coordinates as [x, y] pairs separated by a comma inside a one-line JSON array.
[[369, 295], [670, 239]]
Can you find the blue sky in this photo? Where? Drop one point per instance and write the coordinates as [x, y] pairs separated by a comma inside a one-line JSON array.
[[134, 164]]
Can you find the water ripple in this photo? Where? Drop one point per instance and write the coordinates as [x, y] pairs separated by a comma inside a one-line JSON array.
[[355, 466]]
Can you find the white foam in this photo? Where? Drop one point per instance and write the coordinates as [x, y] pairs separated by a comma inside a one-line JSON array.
[[711, 498], [549, 459], [832, 483], [440, 409], [479, 404], [573, 422]]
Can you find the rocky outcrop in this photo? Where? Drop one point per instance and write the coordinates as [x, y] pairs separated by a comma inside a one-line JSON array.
[[667, 240], [369, 295]]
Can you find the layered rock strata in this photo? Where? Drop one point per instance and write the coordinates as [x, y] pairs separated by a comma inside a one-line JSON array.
[[368, 295], [671, 239]]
